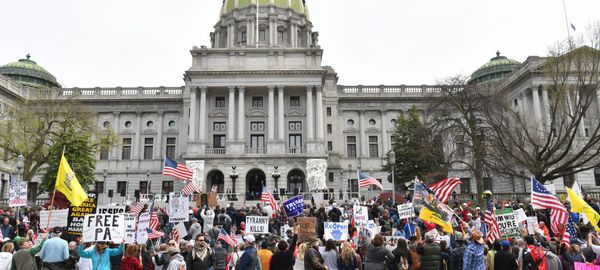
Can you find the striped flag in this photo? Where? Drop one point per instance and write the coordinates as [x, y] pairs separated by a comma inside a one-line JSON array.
[[189, 188], [136, 209], [493, 231], [177, 170], [444, 188], [541, 198], [225, 237], [569, 232], [175, 234], [267, 197], [153, 233], [364, 181], [1, 237]]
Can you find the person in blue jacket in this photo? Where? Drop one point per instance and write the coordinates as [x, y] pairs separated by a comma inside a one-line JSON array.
[[100, 255]]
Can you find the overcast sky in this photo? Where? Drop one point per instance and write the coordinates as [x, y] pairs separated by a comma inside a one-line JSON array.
[[111, 43]]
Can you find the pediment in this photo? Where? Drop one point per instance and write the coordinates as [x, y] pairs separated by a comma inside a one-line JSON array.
[[256, 113], [127, 132], [172, 132], [295, 113], [219, 113], [373, 130], [149, 132], [351, 130]]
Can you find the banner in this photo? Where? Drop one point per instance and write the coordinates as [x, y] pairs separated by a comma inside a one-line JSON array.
[[17, 193], [406, 211], [179, 208], [257, 225], [143, 224], [307, 227], [58, 218], [337, 231], [76, 214], [110, 209], [507, 224], [295, 206], [103, 227], [436, 218], [130, 221], [361, 216]]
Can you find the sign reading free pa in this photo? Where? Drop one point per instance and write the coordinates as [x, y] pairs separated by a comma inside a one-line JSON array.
[[257, 225], [104, 227]]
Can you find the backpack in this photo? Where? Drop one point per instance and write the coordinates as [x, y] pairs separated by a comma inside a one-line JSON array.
[[529, 263]]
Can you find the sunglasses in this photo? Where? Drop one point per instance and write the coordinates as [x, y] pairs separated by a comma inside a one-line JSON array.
[[171, 244]]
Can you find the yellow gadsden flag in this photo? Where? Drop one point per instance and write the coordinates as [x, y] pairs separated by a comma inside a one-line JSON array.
[[436, 218], [67, 183], [578, 205]]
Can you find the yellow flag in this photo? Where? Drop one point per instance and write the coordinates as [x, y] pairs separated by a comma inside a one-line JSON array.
[[578, 205], [436, 218], [67, 183]]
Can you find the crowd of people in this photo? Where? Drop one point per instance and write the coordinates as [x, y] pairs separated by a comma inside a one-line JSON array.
[[398, 244]]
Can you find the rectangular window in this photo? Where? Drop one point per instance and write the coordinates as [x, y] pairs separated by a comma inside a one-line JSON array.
[[329, 146], [219, 126], [295, 126], [257, 141], [328, 111], [126, 149], [568, 180], [171, 146], [294, 101], [257, 126], [353, 187], [144, 187], [295, 144], [219, 102], [329, 129], [597, 176], [218, 141], [167, 187], [148, 148], [465, 188], [257, 102], [32, 190], [280, 37], [330, 177], [487, 183], [351, 146], [393, 141], [373, 147], [122, 188], [99, 187], [460, 146], [243, 37], [262, 35], [104, 152]]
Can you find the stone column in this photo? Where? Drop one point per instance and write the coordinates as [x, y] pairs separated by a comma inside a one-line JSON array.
[[364, 143], [193, 113], [159, 136], [281, 116], [598, 99], [536, 107], [231, 115], [217, 37], [310, 135], [384, 133], [582, 122], [202, 121], [271, 116], [546, 102], [272, 32], [241, 113], [319, 109], [293, 35], [116, 128], [137, 144]]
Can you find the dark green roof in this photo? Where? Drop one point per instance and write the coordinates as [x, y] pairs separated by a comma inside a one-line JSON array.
[[297, 5], [27, 72], [495, 70]]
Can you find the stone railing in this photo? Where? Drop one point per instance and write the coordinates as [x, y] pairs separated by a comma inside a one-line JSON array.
[[11, 86], [122, 92], [389, 90], [260, 151], [216, 151], [295, 150]]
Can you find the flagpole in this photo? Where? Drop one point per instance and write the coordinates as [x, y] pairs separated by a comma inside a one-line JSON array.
[[358, 178], [54, 193]]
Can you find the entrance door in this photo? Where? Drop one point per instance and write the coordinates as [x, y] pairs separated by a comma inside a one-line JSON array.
[[296, 180], [255, 180]]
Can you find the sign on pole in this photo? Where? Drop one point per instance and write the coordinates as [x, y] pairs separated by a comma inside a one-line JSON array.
[[76, 214], [58, 218], [179, 208], [17, 194], [257, 225], [361, 216], [372, 229], [337, 231], [532, 225], [130, 233], [307, 227], [507, 224], [295, 206], [406, 211], [520, 215], [103, 227], [143, 224], [110, 209]]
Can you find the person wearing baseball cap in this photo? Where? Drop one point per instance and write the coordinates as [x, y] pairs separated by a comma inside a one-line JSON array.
[[473, 258], [249, 259], [24, 258], [504, 259]]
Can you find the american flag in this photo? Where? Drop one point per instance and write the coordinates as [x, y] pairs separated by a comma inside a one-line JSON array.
[[175, 234], [444, 188], [569, 232], [153, 234], [136, 209], [189, 188], [1, 237], [225, 237], [493, 231], [177, 170], [365, 181], [267, 197], [541, 198], [154, 222]]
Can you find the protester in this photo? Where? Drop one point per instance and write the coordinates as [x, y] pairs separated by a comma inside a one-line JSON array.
[[376, 256], [24, 258], [265, 255], [312, 257], [164, 258], [200, 257], [284, 257], [55, 251], [7, 230], [177, 261], [194, 229], [249, 260], [100, 255], [504, 259], [6, 256], [131, 260], [299, 263], [219, 257], [473, 258], [347, 259]]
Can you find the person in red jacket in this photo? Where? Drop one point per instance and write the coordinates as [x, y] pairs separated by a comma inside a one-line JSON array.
[[132, 259]]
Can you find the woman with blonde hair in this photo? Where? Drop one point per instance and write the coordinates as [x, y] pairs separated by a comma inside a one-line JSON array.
[[299, 265], [132, 259], [347, 258], [6, 256]]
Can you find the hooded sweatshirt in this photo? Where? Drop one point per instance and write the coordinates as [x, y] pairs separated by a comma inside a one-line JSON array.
[[177, 262], [5, 260]]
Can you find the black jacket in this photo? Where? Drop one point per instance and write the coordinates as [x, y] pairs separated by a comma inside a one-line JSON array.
[[284, 260], [505, 261]]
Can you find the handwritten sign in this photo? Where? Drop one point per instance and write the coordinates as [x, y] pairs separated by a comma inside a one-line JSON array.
[[294, 206], [130, 233], [532, 225], [17, 193], [143, 224], [110, 209], [179, 207], [406, 211], [58, 218], [257, 225], [335, 230], [103, 227], [307, 227], [76, 214], [361, 216], [507, 223]]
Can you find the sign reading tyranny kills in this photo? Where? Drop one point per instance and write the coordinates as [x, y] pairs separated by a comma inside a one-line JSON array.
[[76, 214], [406, 211], [257, 225], [103, 227], [507, 223]]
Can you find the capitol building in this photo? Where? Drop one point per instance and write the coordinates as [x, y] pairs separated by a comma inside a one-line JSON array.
[[253, 107]]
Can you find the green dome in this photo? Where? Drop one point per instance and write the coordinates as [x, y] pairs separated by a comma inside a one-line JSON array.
[[297, 5], [494, 71], [28, 73]]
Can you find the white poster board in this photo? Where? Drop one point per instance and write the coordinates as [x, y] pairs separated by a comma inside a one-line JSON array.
[[197, 167], [181, 230], [372, 229], [361, 215], [58, 219], [17, 193], [103, 227], [406, 211], [179, 208], [337, 231], [130, 233], [257, 225], [532, 225], [110, 209], [520, 215], [143, 224]]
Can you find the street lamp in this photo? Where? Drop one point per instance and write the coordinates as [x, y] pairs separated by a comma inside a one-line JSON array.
[[276, 176], [392, 161], [233, 175], [349, 181], [148, 182], [20, 165]]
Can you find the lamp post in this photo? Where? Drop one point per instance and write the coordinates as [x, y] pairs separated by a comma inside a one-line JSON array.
[[276, 176], [349, 181], [392, 160], [148, 182], [233, 175], [20, 165]]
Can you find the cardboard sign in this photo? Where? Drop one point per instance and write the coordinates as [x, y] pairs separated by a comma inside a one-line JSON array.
[[257, 225], [335, 230], [520, 215], [17, 193], [532, 225], [130, 233], [110, 210], [76, 214], [295, 206], [57, 219], [406, 211], [507, 224], [179, 208], [212, 199], [143, 224], [361, 216], [103, 227], [307, 227]]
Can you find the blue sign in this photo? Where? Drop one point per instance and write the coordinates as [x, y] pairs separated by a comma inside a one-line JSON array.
[[295, 206]]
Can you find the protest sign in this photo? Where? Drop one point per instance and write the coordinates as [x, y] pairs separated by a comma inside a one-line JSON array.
[[17, 193], [110, 209], [361, 216], [130, 221], [257, 225], [294, 206], [532, 225], [520, 215], [181, 230], [372, 229], [76, 214], [406, 211], [58, 218], [143, 224], [507, 223], [436, 218], [307, 227], [282, 231], [335, 230], [318, 198], [179, 207], [104, 227]]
